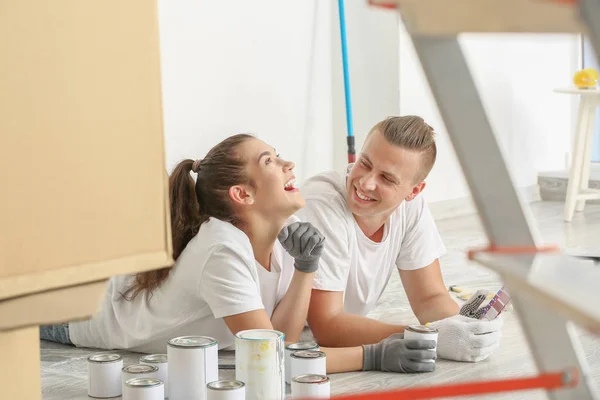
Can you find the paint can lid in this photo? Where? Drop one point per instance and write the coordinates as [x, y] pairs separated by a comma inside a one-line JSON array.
[[311, 378], [192, 341], [143, 382], [154, 358], [140, 369], [104, 358], [420, 329], [302, 345], [308, 354], [225, 385], [260, 334]]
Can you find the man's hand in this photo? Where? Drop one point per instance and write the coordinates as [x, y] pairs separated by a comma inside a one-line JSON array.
[[303, 242], [395, 354]]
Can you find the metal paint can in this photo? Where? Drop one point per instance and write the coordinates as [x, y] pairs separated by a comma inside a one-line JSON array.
[[137, 371], [311, 386], [159, 361], [308, 362], [260, 363], [421, 332], [144, 389], [293, 347], [104, 375], [193, 362], [226, 390]]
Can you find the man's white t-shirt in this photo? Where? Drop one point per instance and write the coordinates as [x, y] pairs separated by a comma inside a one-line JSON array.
[[214, 277], [353, 263]]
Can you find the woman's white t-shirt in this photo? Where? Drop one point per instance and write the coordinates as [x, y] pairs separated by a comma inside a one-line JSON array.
[[214, 277]]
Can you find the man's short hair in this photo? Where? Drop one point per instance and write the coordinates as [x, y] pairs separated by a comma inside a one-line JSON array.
[[412, 133]]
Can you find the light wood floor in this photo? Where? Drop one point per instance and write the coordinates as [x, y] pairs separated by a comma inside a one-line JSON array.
[[64, 369]]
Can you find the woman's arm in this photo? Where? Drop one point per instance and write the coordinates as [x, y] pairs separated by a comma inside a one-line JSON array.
[[343, 359], [289, 316], [256, 319]]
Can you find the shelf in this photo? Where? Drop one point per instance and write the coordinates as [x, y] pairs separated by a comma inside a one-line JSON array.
[[567, 284], [443, 17]]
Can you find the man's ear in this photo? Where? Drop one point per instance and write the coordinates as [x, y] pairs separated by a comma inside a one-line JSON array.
[[241, 194], [418, 188]]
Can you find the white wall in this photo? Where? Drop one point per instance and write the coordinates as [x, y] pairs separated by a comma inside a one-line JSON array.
[[240, 66], [515, 75], [245, 66]]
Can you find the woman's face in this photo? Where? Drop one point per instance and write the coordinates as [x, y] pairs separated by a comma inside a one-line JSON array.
[[274, 192]]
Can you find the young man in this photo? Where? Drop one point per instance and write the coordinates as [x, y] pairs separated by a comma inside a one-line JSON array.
[[374, 221]]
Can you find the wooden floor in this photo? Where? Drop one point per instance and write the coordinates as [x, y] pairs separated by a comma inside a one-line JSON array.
[[64, 370]]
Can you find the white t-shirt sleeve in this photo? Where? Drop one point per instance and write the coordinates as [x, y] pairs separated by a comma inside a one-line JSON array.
[[334, 265], [422, 243], [229, 284]]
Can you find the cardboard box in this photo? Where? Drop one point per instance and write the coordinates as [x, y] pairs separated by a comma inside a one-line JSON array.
[[82, 166], [81, 145]]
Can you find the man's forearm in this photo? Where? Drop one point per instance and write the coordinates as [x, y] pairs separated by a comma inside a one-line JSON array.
[[347, 330], [436, 308]]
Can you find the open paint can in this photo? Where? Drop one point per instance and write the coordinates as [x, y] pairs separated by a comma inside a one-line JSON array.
[[104, 375], [193, 362], [259, 363], [226, 390], [308, 362], [311, 386], [144, 389], [293, 347], [421, 332], [159, 361]]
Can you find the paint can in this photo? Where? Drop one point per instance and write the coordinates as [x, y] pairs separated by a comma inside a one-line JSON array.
[[104, 375], [293, 347], [193, 362], [311, 386], [144, 389], [159, 361], [308, 362], [137, 371], [421, 332], [226, 390], [260, 363]]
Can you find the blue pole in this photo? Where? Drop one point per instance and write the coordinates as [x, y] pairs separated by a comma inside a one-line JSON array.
[[349, 126]]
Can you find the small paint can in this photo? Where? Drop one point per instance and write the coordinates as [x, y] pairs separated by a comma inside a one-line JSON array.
[[311, 386], [193, 362], [104, 375], [421, 332], [308, 362], [159, 361], [226, 390], [144, 389], [137, 371], [293, 347]]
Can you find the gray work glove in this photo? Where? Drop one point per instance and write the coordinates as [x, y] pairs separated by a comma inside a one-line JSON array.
[[303, 242], [396, 354]]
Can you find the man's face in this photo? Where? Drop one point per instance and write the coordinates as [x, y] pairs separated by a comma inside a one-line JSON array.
[[382, 178]]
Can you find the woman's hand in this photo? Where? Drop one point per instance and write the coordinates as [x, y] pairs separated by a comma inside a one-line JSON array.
[[304, 243]]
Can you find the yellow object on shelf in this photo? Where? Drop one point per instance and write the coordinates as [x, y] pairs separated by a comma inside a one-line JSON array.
[[586, 78]]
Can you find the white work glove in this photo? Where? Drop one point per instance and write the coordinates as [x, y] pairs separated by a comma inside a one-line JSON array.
[[463, 338]]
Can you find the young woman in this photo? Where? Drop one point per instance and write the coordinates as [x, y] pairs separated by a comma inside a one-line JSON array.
[[242, 262]]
